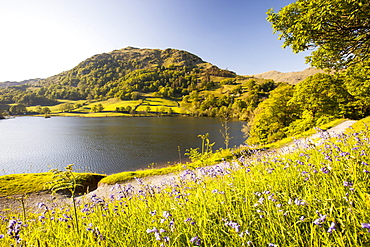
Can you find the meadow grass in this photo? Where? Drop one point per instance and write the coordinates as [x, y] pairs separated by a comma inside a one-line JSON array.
[[21, 184], [312, 196], [157, 105]]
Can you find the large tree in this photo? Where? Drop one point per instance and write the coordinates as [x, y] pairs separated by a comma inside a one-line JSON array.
[[272, 117], [337, 31]]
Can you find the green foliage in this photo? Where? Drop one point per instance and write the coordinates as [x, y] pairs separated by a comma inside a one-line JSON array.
[[206, 150], [336, 30], [18, 109], [272, 116]]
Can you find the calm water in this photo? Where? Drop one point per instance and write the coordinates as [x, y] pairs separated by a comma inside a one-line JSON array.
[[102, 145]]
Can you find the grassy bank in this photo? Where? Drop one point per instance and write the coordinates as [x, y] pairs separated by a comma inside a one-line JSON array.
[[318, 196], [22, 184]]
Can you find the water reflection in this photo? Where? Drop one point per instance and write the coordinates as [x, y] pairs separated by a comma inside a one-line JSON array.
[[107, 145]]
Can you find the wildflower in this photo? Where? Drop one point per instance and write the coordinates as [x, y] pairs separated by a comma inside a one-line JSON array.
[[195, 240], [272, 245], [153, 213], [151, 230], [325, 169], [366, 226], [320, 220], [157, 236], [246, 232], [41, 205], [1, 236], [345, 183], [331, 227], [166, 214], [14, 228], [366, 171], [233, 225], [300, 202]]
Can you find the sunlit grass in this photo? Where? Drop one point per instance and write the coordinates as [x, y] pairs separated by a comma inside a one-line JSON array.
[[308, 133], [317, 196], [21, 184]]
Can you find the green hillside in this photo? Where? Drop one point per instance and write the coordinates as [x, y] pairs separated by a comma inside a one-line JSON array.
[[141, 82]]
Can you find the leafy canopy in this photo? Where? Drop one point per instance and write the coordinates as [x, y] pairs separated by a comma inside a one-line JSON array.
[[338, 31]]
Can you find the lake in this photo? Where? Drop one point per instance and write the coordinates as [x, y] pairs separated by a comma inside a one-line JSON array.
[[103, 145]]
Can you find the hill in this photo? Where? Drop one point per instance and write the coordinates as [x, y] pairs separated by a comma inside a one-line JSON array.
[[291, 77], [130, 78], [18, 83]]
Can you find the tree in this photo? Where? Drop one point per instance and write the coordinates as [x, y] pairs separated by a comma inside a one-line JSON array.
[[272, 117], [320, 98], [338, 31], [357, 83], [18, 109], [321, 94]]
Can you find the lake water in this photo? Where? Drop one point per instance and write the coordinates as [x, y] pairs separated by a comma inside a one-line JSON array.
[[103, 145]]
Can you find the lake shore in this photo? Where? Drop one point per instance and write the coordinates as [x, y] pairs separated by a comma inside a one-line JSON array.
[[108, 192]]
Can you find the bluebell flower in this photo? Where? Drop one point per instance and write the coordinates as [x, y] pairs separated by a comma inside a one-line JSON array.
[[319, 220], [195, 240], [325, 169], [331, 227], [366, 226]]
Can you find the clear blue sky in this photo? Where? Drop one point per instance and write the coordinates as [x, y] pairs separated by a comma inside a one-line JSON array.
[[41, 38]]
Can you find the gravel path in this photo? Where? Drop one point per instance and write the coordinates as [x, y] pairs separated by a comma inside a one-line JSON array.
[[106, 191]]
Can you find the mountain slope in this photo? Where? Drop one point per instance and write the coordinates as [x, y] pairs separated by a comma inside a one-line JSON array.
[[291, 77]]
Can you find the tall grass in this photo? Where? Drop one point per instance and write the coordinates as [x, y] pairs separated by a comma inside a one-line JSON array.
[[316, 196]]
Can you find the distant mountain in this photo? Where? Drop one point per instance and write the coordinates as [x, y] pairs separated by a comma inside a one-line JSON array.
[[291, 77], [18, 83]]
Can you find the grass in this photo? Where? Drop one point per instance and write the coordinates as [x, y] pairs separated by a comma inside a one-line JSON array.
[[360, 125], [156, 105], [317, 196], [21, 184], [305, 134]]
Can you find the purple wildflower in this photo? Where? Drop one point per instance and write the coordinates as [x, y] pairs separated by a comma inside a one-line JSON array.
[[331, 227], [233, 225], [325, 169], [14, 228], [166, 214], [366, 226], [346, 183], [157, 236], [195, 240], [151, 230], [246, 232], [319, 220], [41, 205]]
